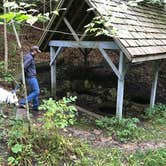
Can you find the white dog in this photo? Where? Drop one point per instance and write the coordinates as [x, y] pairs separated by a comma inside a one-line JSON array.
[[8, 98]]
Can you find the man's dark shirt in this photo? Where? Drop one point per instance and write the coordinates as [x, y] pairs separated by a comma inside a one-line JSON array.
[[29, 65]]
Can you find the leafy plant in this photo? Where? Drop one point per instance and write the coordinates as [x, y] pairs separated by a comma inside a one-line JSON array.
[[20, 12], [158, 110], [59, 113], [124, 129], [101, 26], [5, 77], [156, 115]]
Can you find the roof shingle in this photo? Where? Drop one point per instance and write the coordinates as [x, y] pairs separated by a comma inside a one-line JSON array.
[[141, 29]]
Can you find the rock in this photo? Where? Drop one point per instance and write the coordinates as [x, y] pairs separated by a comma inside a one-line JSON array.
[[97, 132], [99, 100], [21, 113], [87, 84]]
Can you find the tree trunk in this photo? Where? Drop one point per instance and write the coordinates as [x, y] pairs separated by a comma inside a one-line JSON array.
[[5, 41], [22, 68]]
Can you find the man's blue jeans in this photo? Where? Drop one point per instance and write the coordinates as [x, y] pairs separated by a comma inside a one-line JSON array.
[[34, 92]]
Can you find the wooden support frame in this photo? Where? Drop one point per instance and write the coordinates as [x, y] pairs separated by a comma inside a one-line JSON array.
[[84, 44], [97, 45], [156, 67], [77, 39], [108, 59], [60, 20], [120, 90], [71, 29], [53, 56]]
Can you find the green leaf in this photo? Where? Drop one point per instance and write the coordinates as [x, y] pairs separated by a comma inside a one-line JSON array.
[[32, 20], [17, 148], [11, 160], [56, 12], [8, 16], [22, 17], [10, 4]]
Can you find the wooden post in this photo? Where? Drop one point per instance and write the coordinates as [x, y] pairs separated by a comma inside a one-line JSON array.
[[154, 83], [53, 71], [53, 57], [120, 90]]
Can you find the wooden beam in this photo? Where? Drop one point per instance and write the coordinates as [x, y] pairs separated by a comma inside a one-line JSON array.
[[148, 58], [55, 56], [50, 24], [84, 44], [59, 21], [108, 59], [156, 67], [89, 113], [71, 29], [53, 71], [120, 90], [77, 39]]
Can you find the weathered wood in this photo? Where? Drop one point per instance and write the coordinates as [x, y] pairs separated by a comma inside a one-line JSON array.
[[89, 113], [55, 56], [154, 83], [120, 90], [59, 21], [84, 44], [53, 70], [71, 29], [108, 59]]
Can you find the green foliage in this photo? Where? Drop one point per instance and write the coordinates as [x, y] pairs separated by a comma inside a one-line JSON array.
[[157, 114], [99, 157], [59, 113], [124, 129], [17, 148], [149, 158], [20, 145], [5, 77], [157, 111], [23, 12], [101, 26], [41, 146]]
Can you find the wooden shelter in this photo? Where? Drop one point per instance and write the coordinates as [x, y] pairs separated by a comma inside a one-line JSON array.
[[141, 36]]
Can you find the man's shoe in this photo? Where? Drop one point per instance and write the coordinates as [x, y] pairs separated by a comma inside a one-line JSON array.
[[22, 106]]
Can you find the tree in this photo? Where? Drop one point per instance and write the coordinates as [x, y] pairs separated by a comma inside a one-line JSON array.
[[20, 13]]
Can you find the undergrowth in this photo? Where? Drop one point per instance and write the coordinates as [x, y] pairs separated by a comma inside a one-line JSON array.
[[148, 158], [123, 130], [44, 145], [157, 114]]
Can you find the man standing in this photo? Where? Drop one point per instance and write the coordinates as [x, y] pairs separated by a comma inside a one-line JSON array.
[[31, 79]]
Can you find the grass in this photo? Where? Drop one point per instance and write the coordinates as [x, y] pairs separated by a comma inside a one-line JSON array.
[[45, 147], [153, 132], [148, 158], [117, 157]]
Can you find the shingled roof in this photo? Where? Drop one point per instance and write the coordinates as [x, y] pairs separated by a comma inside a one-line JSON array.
[[141, 29]]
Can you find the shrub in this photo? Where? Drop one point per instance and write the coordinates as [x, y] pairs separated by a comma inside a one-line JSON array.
[[59, 113], [44, 145], [158, 110], [124, 129]]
